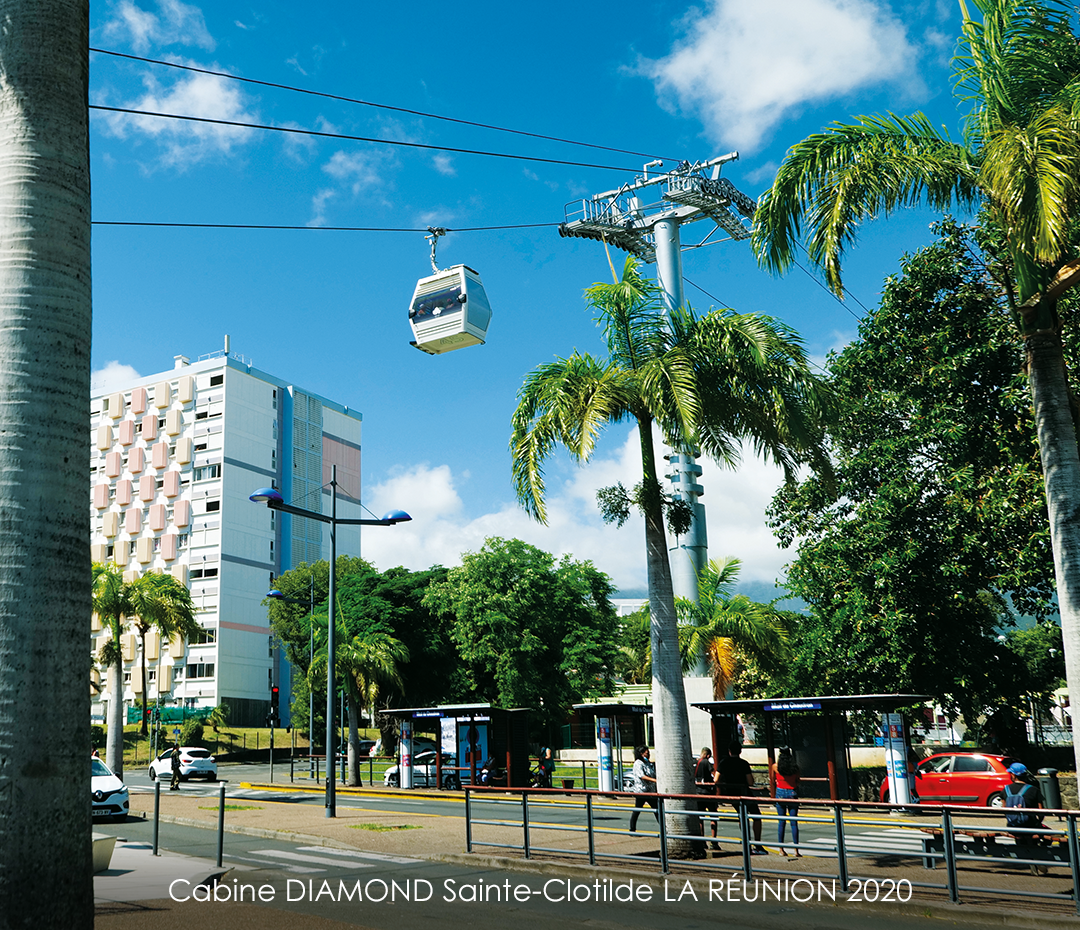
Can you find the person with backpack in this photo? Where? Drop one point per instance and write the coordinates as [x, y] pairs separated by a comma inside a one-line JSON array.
[[1022, 798]]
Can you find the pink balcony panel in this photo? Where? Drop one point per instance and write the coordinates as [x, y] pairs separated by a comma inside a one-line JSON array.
[[147, 487], [172, 483], [138, 400], [149, 427], [160, 454], [182, 513], [133, 520], [126, 432], [136, 460], [168, 547], [123, 492], [157, 517], [101, 496], [113, 465]]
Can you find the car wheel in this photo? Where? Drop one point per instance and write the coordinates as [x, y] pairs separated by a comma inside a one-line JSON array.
[[393, 781], [211, 778], [997, 799], [152, 773]]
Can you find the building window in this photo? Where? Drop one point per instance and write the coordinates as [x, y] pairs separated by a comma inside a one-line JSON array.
[[200, 447], [215, 380], [197, 573], [206, 472], [200, 670], [203, 637], [182, 540], [213, 506]]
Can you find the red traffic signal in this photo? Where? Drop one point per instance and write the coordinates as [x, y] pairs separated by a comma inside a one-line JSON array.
[[274, 696]]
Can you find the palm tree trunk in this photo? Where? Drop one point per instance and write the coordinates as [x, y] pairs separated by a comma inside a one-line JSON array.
[[114, 737], [142, 663], [671, 727], [1061, 472], [45, 868], [352, 701]]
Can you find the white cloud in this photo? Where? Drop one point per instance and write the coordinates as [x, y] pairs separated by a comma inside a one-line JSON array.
[[357, 170], [744, 67], [175, 23], [186, 143], [113, 375], [444, 164], [735, 503]]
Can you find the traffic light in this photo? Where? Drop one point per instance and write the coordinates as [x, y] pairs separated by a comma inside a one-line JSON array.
[[274, 699]]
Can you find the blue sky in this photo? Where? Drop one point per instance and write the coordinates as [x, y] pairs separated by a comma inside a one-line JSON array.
[[328, 310]]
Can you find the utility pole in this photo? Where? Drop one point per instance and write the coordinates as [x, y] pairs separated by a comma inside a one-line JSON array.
[[652, 232]]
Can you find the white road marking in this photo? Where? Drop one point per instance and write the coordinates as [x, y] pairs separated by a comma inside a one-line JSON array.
[[357, 854], [299, 869], [319, 860]]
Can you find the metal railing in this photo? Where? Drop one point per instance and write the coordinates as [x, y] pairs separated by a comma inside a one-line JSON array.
[[968, 841]]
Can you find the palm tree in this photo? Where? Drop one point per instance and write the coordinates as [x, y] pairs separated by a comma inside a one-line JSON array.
[[365, 663], [710, 382], [112, 603], [722, 625], [45, 280], [1019, 72], [161, 603]]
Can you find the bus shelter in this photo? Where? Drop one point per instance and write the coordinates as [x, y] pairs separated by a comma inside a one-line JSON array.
[[473, 734], [609, 756], [814, 728]]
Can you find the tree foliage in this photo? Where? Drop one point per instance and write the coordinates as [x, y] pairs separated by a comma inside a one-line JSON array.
[[532, 631], [936, 521]]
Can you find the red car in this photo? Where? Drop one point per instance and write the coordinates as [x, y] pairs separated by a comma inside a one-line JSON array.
[[974, 778]]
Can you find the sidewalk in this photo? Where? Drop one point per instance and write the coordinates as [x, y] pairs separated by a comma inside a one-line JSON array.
[[136, 874], [442, 837]]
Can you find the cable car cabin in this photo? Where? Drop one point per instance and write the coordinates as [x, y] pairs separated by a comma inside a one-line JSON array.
[[449, 310]]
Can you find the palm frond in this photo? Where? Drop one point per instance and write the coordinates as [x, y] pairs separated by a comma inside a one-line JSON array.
[[831, 181], [566, 402]]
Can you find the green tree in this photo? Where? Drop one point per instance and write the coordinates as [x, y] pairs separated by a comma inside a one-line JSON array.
[[710, 382], [531, 631], [160, 602], [363, 663], [934, 520], [45, 297], [726, 628], [1019, 73]]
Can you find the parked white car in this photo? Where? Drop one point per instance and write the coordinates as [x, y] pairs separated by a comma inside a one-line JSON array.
[[108, 795], [195, 762], [424, 772]]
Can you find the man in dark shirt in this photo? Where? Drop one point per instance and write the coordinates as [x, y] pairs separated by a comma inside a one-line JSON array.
[[736, 779], [705, 781]]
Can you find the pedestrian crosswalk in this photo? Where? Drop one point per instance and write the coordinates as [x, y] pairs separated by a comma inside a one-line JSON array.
[[897, 841], [311, 860]]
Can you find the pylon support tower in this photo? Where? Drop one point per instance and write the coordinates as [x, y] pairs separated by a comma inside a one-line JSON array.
[[652, 232]]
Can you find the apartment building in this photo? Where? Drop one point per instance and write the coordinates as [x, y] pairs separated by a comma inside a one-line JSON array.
[[173, 459]]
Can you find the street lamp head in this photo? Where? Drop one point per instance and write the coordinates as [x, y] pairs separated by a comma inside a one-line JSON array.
[[396, 516], [274, 593], [267, 495]]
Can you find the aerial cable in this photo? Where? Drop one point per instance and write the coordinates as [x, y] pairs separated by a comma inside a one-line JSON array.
[[368, 103], [336, 135], [389, 229]]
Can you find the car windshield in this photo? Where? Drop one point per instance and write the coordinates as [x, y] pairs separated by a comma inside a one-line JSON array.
[[97, 767], [198, 753]]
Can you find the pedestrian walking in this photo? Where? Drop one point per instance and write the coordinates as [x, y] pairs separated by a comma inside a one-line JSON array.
[[644, 775], [174, 756]]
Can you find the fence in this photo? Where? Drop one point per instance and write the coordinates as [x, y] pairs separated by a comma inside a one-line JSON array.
[[977, 849]]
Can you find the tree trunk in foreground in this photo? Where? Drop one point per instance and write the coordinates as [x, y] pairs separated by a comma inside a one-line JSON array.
[[674, 754], [114, 734], [45, 871], [1061, 473]]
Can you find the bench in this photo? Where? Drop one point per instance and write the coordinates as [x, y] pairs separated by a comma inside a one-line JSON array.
[[1049, 846]]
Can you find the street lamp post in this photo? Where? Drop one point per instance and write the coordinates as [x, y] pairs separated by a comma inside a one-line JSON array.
[[273, 499], [278, 596]]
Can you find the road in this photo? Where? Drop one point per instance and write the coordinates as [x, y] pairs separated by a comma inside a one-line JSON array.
[[863, 833]]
